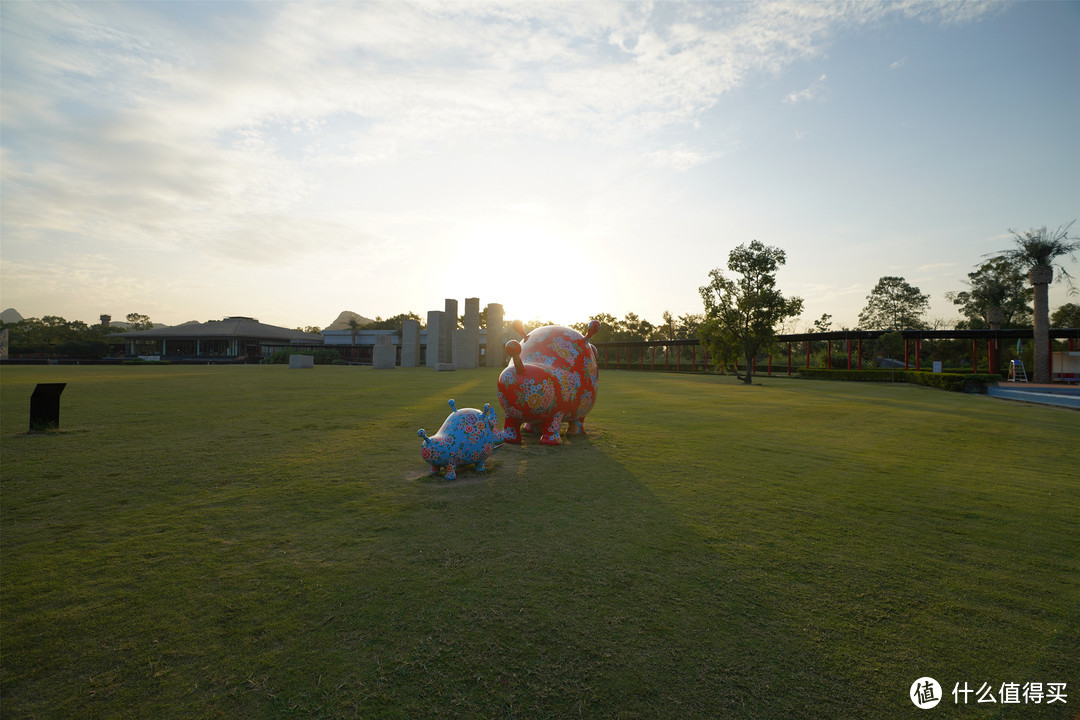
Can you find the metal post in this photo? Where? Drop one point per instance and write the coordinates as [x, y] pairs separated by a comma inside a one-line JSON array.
[[828, 358], [807, 354], [905, 354], [849, 353], [974, 355], [918, 346], [789, 359], [860, 353]]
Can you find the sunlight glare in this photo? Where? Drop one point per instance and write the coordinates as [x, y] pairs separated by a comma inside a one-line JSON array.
[[533, 272]]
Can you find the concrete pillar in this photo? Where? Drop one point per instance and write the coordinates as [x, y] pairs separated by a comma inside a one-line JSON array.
[[384, 355], [410, 343], [446, 332], [495, 356], [434, 326], [467, 339]]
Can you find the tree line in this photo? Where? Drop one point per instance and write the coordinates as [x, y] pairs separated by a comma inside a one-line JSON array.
[[54, 335], [744, 311], [743, 308]]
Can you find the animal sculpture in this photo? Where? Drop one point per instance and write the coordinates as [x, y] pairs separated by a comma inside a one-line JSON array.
[[467, 436], [552, 377]]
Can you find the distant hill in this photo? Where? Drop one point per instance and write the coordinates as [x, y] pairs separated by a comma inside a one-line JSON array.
[[342, 322], [11, 315]]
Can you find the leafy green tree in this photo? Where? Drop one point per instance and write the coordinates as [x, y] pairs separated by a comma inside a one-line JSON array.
[[536, 323], [683, 327], [1066, 316], [894, 304], [687, 325], [632, 328], [391, 323], [741, 314], [53, 335], [354, 327], [608, 327], [140, 322], [312, 329], [1039, 252], [996, 293]]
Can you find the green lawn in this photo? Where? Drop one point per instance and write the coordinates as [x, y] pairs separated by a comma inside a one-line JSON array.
[[260, 542]]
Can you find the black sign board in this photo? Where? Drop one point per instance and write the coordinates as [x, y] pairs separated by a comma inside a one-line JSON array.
[[45, 406]]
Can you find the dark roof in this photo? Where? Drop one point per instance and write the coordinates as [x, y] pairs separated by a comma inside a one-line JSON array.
[[230, 327]]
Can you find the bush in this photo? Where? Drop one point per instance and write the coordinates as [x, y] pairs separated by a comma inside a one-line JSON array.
[[322, 357], [957, 382]]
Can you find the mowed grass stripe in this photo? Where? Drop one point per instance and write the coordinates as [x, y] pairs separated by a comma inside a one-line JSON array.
[[260, 542]]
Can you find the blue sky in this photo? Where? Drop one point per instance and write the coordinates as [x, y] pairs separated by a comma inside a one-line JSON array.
[[288, 161]]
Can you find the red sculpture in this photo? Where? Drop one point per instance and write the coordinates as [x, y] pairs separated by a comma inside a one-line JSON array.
[[552, 377]]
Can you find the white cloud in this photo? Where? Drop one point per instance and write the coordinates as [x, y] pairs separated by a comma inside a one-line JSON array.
[[678, 158], [219, 128], [898, 64], [811, 92]]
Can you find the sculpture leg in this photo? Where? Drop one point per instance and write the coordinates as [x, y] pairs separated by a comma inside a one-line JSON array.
[[434, 469], [575, 426], [551, 433], [480, 466], [451, 473], [512, 432], [528, 427]]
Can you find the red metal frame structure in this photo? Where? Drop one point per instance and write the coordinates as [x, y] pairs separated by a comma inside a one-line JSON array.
[[994, 339]]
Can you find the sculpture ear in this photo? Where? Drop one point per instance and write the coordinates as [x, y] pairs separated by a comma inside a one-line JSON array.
[[513, 349], [594, 327], [453, 407], [422, 434], [519, 328]]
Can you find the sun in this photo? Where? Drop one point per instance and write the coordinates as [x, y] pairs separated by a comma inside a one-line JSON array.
[[534, 272]]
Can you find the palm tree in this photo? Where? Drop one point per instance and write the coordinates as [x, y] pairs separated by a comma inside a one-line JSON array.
[[354, 326], [1038, 251]]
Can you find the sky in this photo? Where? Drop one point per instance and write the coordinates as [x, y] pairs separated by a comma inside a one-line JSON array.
[[197, 160]]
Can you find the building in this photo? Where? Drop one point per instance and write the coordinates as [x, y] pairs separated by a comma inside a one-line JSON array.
[[361, 348], [234, 339]]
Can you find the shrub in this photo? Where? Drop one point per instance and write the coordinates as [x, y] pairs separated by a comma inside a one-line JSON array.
[[957, 382], [322, 357]]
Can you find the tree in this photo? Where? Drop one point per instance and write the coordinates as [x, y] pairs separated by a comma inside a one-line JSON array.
[[683, 327], [894, 304], [391, 323], [996, 294], [741, 314], [1039, 251], [354, 327], [606, 333], [140, 322], [823, 323], [632, 327], [1066, 316]]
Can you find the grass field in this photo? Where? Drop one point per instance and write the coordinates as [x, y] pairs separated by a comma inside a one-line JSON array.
[[259, 542]]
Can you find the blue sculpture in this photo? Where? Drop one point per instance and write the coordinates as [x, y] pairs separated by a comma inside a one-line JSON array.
[[466, 436]]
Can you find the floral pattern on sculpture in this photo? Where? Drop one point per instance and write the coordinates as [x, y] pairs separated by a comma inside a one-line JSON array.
[[467, 436], [552, 377]]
